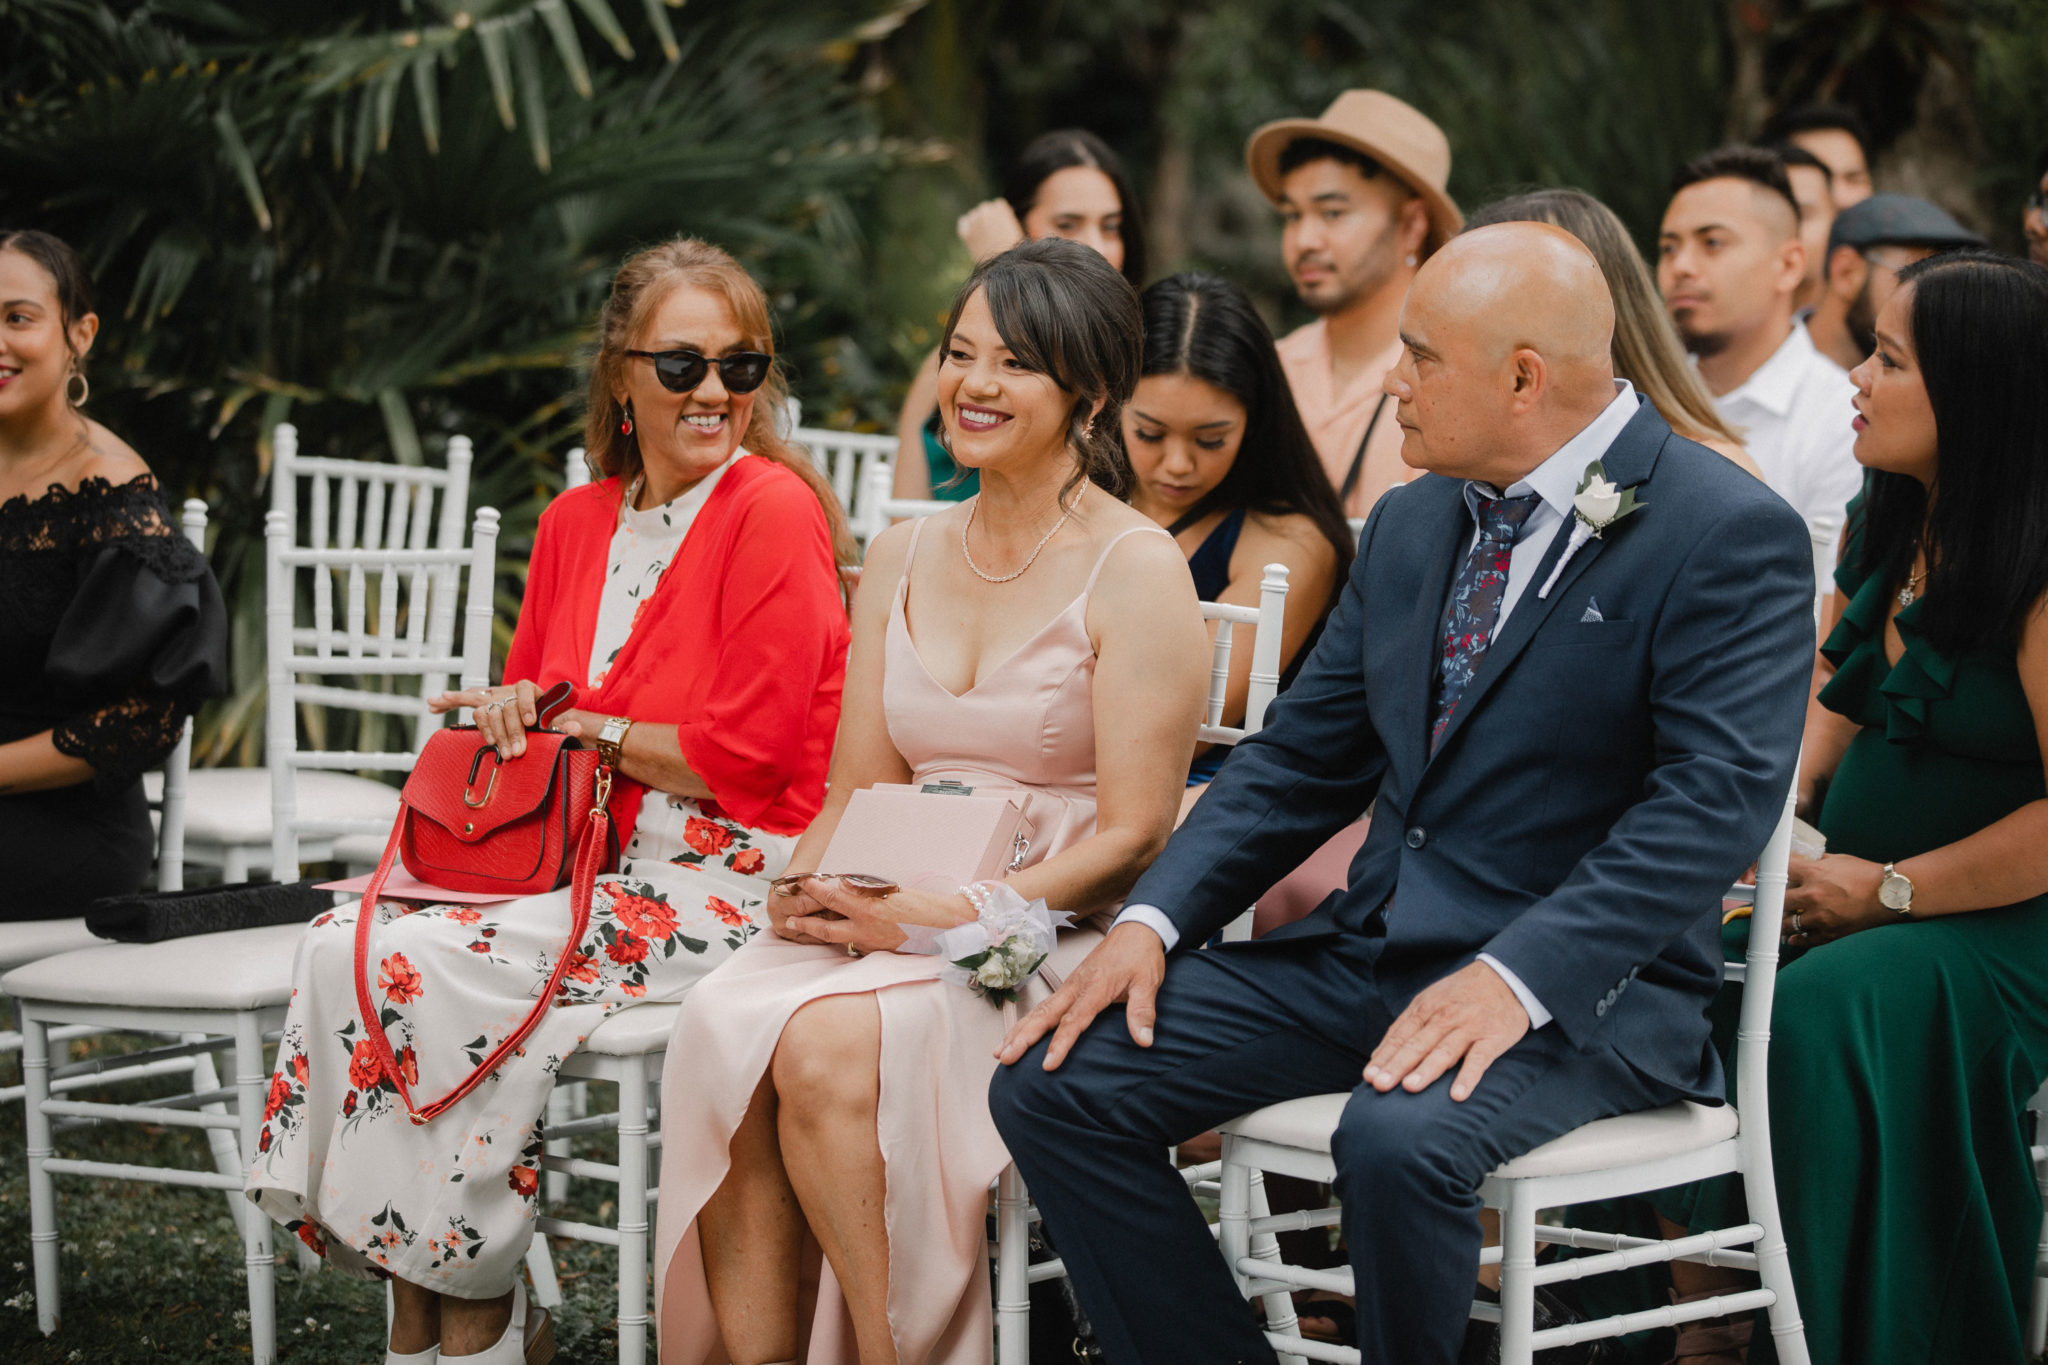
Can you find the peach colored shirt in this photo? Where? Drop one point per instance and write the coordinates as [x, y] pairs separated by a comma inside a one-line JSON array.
[[1337, 421]]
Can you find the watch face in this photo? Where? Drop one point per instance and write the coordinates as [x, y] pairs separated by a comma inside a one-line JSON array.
[[1895, 892]]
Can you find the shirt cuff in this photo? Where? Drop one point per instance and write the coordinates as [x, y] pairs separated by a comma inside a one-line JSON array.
[[1538, 1016], [1153, 918]]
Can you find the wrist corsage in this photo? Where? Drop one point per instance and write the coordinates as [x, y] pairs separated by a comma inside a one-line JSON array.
[[994, 954]]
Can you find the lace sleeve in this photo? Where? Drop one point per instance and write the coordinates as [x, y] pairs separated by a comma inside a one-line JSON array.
[[123, 739]]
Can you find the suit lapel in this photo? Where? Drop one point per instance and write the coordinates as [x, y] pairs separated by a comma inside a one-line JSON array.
[[1629, 461], [1442, 533]]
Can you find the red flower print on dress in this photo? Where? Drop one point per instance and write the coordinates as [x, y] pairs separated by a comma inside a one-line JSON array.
[[644, 917], [280, 1090], [263, 1140], [749, 862], [299, 1068], [348, 1104], [462, 914], [364, 1070], [524, 1180], [627, 950], [582, 967], [310, 1235], [480, 946], [409, 1066], [707, 837], [727, 913], [632, 988], [399, 981]]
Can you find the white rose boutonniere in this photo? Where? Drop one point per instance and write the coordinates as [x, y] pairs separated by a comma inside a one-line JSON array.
[[1596, 506]]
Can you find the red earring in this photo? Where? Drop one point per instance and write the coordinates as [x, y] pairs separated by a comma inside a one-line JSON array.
[[626, 427]]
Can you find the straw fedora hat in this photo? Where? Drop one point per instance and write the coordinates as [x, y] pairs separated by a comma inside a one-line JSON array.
[[1390, 131]]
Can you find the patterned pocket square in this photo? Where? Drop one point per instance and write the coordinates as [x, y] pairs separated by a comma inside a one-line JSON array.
[[1592, 611]]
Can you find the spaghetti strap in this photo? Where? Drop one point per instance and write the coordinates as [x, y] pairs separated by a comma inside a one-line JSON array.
[[1103, 558], [910, 555]]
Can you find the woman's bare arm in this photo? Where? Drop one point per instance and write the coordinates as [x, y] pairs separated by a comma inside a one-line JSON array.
[[913, 474]]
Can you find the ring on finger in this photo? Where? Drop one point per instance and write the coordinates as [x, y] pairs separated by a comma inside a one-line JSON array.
[[1797, 930]]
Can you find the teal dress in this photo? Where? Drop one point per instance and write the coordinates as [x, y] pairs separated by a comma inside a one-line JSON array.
[[938, 461], [1903, 1057]]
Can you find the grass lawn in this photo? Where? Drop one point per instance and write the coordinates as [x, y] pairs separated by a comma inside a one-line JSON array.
[[154, 1272]]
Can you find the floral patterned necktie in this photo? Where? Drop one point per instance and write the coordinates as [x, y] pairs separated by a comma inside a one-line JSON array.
[[1474, 608]]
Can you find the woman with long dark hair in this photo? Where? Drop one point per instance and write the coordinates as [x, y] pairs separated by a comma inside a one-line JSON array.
[[112, 633], [1912, 1028], [1066, 183], [1222, 461]]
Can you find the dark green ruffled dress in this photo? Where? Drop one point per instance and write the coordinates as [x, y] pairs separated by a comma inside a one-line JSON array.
[[1903, 1057]]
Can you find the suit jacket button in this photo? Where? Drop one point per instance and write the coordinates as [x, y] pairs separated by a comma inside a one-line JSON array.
[[1416, 838], [1600, 1010]]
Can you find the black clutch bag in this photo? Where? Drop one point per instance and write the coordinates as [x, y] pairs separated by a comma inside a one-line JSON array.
[[153, 916]]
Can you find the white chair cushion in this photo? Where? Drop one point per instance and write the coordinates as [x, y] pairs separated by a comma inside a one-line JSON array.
[[634, 1031], [240, 970], [365, 850], [1624, 1140], [1627, 1140], [26, 940], [232, 805]]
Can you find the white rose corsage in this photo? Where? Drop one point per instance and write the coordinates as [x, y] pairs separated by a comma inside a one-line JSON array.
[[994, 954], [1596, 506]]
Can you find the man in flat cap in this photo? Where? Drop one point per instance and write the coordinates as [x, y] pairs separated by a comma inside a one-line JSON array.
[[1871, 242], [1362, 205]]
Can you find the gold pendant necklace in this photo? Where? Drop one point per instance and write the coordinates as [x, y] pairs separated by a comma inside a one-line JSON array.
[[1907, 593]]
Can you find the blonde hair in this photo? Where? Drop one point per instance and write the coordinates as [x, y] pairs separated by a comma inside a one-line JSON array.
[[641, 285], [1647, 352]]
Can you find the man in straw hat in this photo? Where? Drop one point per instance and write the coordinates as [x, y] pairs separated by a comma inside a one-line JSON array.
[[1361, 198]]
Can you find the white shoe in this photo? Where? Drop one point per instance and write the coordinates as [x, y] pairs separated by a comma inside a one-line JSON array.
[[528, 1340]]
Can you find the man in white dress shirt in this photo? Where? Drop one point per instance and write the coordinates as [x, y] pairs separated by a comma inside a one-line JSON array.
[[1730, 262]]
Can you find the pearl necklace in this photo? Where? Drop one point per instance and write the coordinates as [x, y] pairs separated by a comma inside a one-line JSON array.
[[968, 555]]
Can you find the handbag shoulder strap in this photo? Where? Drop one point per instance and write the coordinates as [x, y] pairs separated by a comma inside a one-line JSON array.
[[1358, 459], [592, 853]]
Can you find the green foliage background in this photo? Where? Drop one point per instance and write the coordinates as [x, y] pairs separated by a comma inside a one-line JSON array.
[[392, 220]]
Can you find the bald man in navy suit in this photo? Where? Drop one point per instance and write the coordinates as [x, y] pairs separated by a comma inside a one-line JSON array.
[[1575, 743]]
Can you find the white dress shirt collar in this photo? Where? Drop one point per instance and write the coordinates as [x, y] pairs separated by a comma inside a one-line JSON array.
[[1775, 383], [1557, 479]]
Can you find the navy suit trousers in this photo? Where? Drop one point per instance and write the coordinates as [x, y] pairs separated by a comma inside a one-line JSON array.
[[1246, 1025]]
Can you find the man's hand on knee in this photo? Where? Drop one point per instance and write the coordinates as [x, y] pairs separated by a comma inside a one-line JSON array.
[[1470, 1015], [1127, 966]]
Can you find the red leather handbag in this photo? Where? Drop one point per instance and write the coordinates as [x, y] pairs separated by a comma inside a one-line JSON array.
[[470, 821]]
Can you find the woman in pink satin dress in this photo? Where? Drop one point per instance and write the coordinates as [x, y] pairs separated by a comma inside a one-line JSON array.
[[827, 1148]]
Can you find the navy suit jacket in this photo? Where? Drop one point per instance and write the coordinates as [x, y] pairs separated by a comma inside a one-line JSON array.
[[1604, 779]]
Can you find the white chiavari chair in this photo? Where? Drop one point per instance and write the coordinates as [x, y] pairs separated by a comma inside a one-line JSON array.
[[1015, 1215], [229, 991], [340, 504], [880, 508], [2037, 1311], [575, 470], [1612, 1158], [849, 459]]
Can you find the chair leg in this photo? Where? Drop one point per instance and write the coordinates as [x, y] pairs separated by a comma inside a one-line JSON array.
[[632, 1210], [540, 1268], [2037, 1314], [555, 1184], [227, 1153], [42, 1190], [234, 864], [251, 1081], [1773, 1259], [1013, 1269], [1279, 1304], [1517, 1276]]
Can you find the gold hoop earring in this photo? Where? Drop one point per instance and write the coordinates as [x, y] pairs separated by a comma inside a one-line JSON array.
[[84, 388]]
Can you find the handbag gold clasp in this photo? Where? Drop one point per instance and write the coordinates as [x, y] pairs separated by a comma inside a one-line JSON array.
[[603, 795], [478, 802]]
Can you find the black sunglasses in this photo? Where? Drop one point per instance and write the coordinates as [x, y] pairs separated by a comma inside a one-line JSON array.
[[682, 371]]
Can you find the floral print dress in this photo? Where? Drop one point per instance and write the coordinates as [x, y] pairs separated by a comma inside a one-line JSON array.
[[450, 1205]]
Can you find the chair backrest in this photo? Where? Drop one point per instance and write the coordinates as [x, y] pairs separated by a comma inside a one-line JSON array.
[[397, 622], [849, 459], [368, 505], [576, 470], [170, 837], [1357, 525], [1759, 985], [1266, 620], [880, 508]]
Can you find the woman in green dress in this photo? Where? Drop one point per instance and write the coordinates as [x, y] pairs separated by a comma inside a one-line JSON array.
[[1911, 1026]]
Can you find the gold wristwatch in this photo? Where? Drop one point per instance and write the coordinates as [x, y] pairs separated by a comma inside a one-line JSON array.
[[611, 740]]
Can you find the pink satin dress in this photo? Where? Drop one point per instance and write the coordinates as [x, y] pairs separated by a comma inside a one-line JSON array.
[[1030, 724]]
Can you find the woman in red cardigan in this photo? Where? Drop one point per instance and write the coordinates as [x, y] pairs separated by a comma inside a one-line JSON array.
[[691, 597]]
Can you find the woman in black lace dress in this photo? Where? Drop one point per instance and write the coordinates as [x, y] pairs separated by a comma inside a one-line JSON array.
[[111, 627]]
